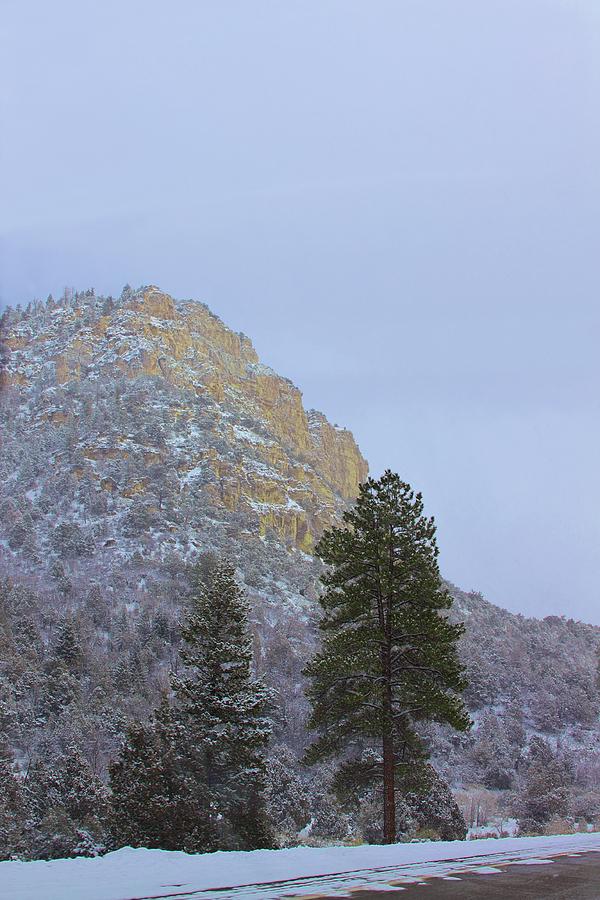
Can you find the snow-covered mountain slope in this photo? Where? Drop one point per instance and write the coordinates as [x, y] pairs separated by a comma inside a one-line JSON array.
[[139, 433]]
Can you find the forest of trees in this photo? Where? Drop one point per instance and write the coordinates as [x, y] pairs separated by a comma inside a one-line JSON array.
[[205, 767], [194, 775]]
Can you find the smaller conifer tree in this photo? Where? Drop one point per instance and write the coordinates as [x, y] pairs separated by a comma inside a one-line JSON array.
[[201, 766], [68, 648], [145, 812], [12, 808], [223, 711]]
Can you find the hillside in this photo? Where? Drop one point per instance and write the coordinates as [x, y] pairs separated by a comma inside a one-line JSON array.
[[139, 434]]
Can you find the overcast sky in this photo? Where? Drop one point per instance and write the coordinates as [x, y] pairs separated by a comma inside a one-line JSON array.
[[397, 201]]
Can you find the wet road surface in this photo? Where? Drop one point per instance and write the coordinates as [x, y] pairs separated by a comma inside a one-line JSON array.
[[573, 877]]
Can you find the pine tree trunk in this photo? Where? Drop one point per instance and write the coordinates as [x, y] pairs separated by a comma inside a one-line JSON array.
[[389, 794], [389, 797], [389, 768]]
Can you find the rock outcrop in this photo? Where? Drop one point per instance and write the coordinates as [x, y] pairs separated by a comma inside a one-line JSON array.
[[217, 423]]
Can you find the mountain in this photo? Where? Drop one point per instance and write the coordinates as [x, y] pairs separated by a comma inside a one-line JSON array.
[[139, 435], [149, 395]]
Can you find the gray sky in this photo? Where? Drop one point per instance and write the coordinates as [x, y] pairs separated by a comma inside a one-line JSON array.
[[397, 201]]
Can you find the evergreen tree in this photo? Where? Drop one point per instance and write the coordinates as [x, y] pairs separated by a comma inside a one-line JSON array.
[[434, 807], [287, 796], [196, 779], [43, 790], [493, 753], [67, 808], [222, 711], [68, 648], [83, 794], [328, 820], [12, 809], [146, 807], [388, 660], [546, 792]]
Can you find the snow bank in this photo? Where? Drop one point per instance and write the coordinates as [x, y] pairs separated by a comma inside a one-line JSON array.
[[130, 873]]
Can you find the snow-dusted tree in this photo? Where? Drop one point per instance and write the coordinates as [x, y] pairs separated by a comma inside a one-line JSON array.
[[84, 796], [514, 726], [66, 806], [222, 712], [493, 753], [68, 647], [12, 809], [203, 764], [147, 809], [388, 659], [328, 821], [546, 792], [287, 796], [70, 541], [433, 807]]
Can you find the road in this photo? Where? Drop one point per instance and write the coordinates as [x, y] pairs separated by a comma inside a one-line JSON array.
[[569, 877]]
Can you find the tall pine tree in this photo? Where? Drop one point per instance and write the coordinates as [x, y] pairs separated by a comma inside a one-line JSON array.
[[388, 659]]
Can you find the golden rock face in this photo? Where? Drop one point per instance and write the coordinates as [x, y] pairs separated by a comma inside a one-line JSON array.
[[259, 451]]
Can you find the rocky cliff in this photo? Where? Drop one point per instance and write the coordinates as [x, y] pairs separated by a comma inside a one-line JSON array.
[[206, 418]]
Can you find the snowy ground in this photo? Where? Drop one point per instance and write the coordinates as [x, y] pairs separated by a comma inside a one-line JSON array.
[[141, 874]]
